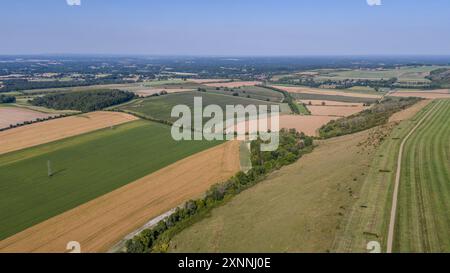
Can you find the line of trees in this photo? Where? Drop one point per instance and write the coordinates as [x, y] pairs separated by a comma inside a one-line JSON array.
[[292, 146], [287, 98], [377, 115], [84, 101]]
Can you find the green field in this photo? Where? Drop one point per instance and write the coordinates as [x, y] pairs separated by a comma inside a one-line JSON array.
[[254, 92], [160, 107], [369, 217], [84, 167], [423, 223], [303, 109]]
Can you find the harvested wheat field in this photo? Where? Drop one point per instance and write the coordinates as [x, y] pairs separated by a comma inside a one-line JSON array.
[[306, 124], [336, 111], [307, 90], [409, 112], [440, 94], [52, 130], [233, 84], [14, 115], [100, 223]]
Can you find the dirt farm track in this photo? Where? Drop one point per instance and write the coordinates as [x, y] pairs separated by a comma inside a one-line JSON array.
[[97, 225], [52, 130]]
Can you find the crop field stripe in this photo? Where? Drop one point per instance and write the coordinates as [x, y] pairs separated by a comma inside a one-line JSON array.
[[392, 221], [423, 219], [430, 205]]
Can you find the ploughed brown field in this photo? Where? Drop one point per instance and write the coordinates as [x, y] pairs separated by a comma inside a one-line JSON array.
[[100, 223], [233, 84], [307, 90], [14, 115], [52, 130]]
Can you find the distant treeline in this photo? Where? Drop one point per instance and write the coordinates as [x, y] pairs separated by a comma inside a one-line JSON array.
[[378, 114], [85, 101], [22, 84], [7, 99], [292, 146], [391, 83]]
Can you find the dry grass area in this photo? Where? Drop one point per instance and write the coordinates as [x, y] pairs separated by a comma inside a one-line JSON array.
[[307, 90], [432, 94], [410, 112], [52, 130], [296, 209], [100, 223], [336, 111], [233, 84], [14, 115]]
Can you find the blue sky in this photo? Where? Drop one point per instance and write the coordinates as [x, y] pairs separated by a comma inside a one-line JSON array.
[[225, 27]]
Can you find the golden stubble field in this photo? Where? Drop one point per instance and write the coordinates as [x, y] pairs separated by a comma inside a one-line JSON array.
[[99, 224], [52, 130]]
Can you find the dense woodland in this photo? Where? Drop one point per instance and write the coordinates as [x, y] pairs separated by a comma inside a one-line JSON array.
[[440, 76], [85, 101], [378, 114], [292, 146], [7, 99]]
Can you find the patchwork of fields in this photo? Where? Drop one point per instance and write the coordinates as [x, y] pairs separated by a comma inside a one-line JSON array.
[[83, 168], [98, 224], [96, 177]]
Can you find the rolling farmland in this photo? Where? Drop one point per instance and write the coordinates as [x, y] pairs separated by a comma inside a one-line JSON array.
[[160, 107], [423, 219], [423, 192], [98, 224], [82, 168]]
